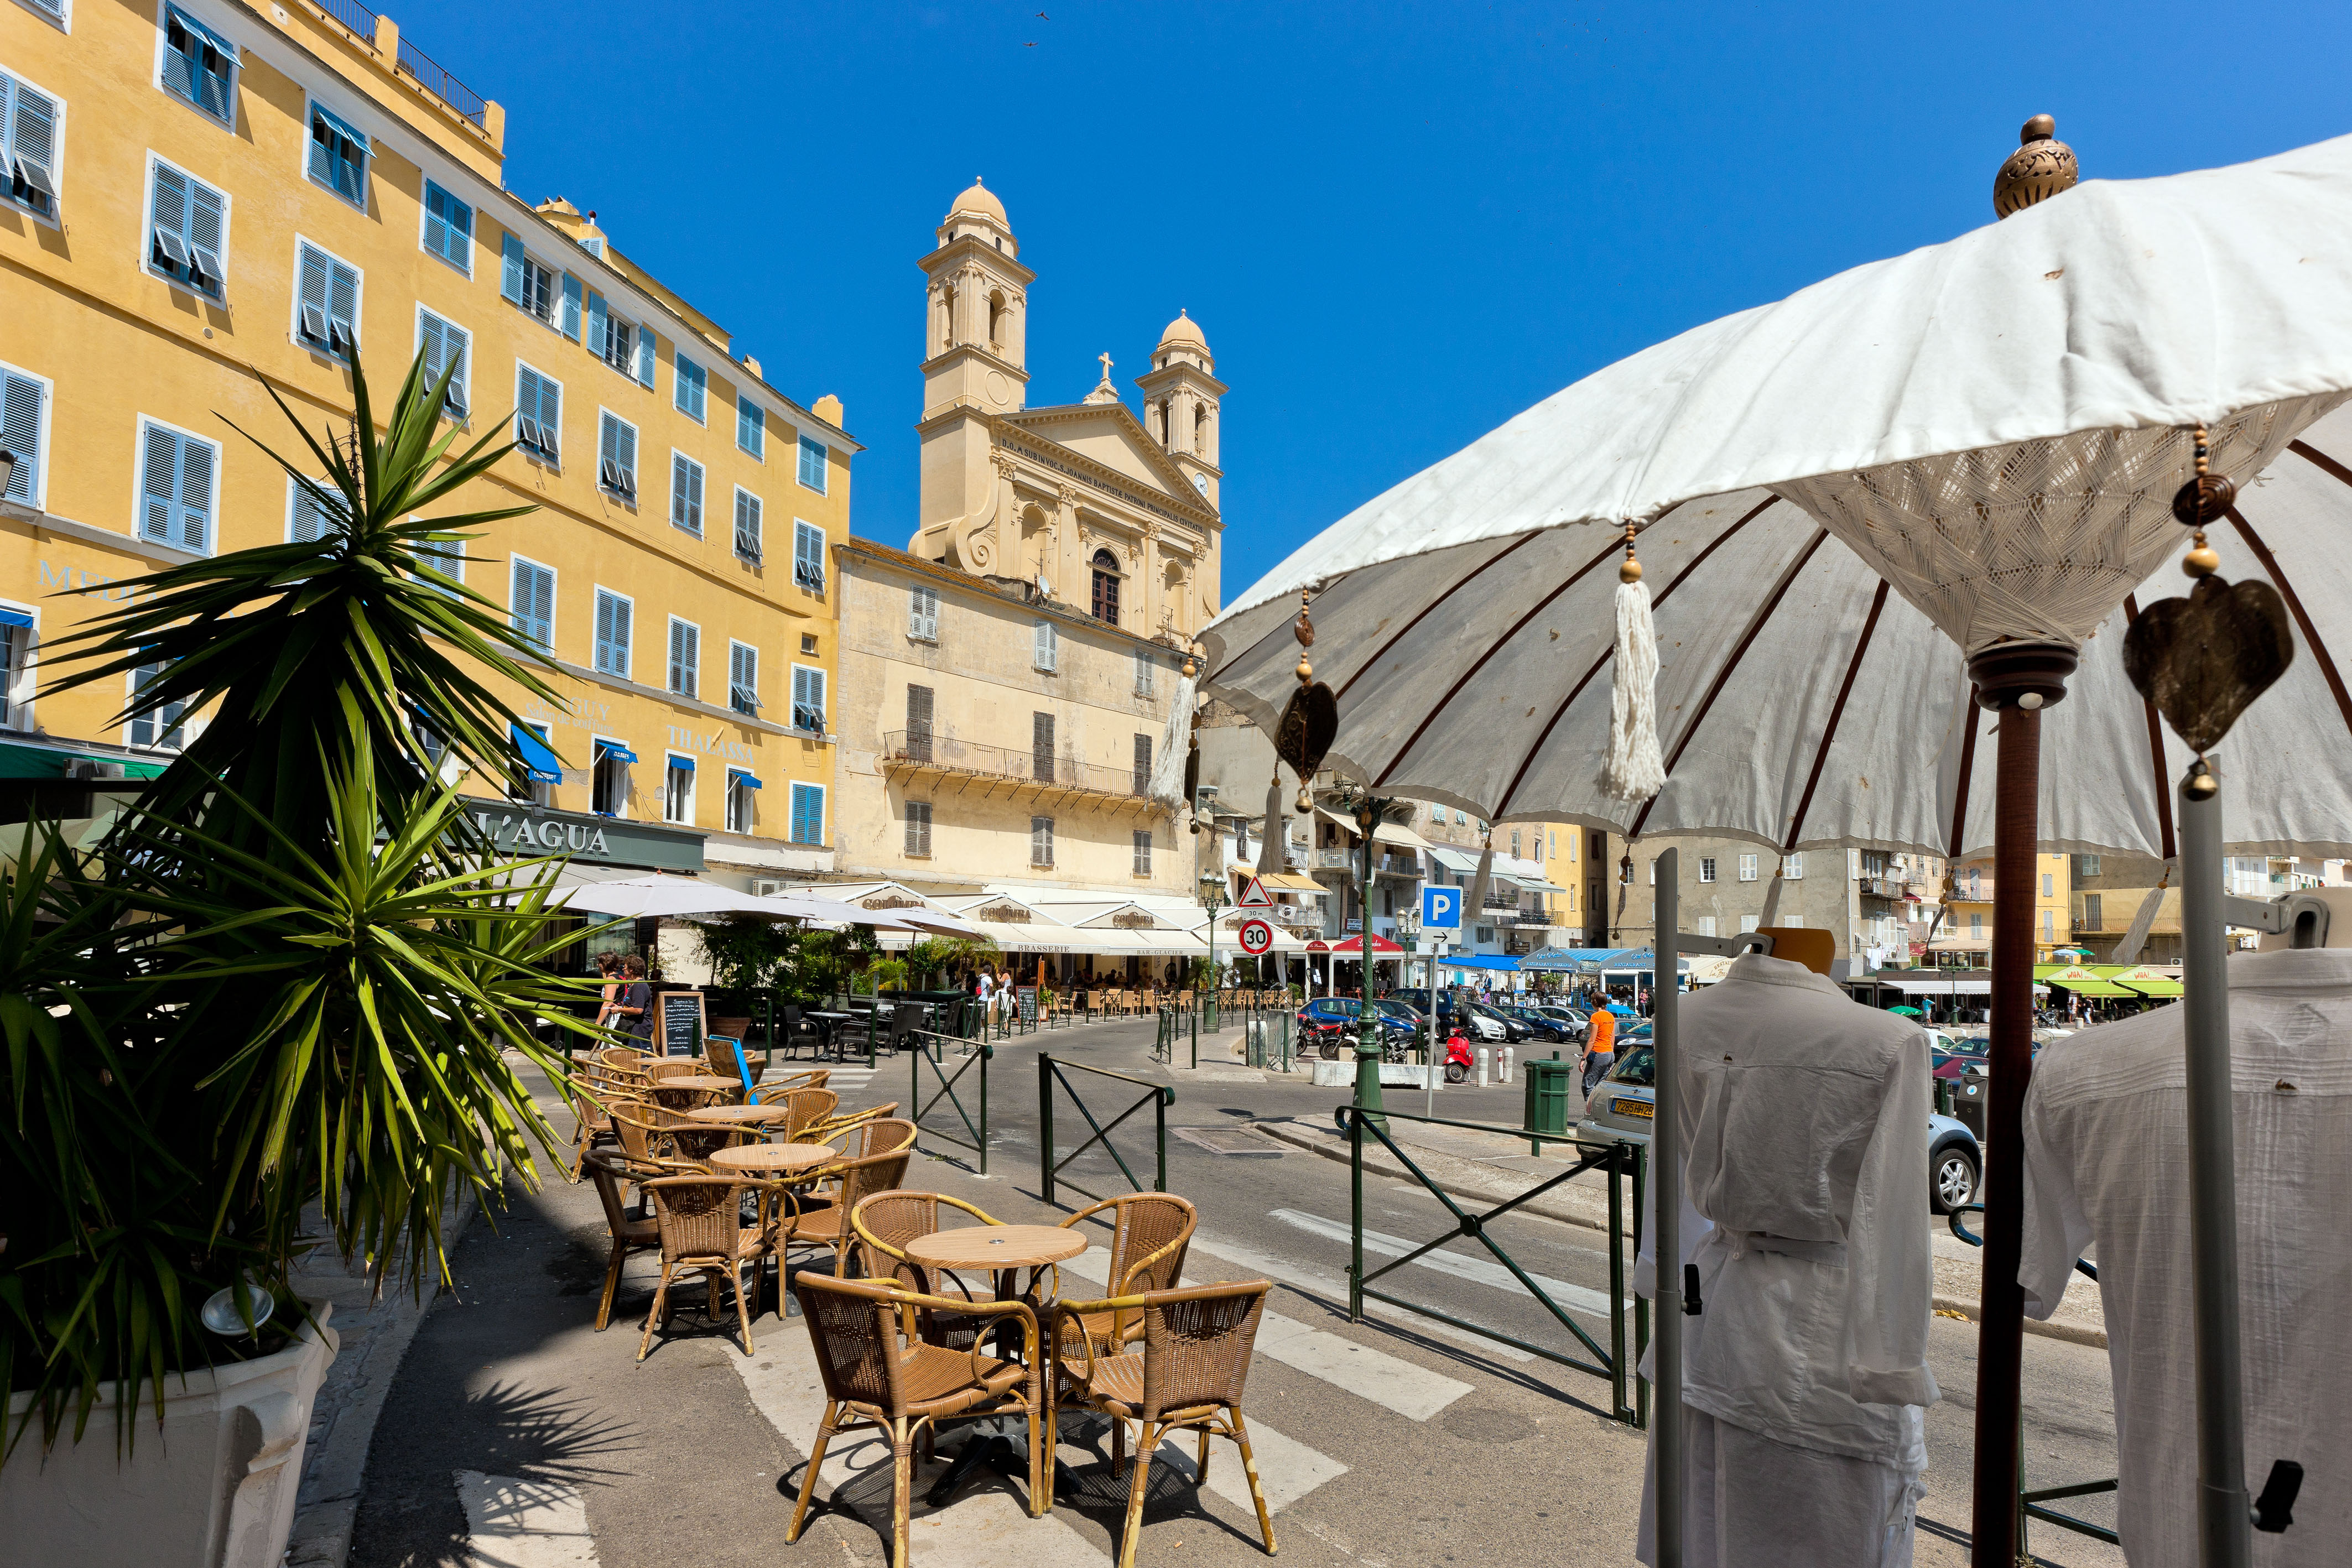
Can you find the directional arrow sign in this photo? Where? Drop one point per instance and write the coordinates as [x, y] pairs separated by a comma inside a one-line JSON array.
[[1253, 896]]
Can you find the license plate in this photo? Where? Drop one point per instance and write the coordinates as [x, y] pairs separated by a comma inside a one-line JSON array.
[[1641, 1108]]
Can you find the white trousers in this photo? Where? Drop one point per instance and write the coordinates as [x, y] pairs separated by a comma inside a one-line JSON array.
[[1750, 1501]]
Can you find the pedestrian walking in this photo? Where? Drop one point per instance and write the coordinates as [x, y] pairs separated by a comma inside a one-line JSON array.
[[1600, 1046], [633, 1008]]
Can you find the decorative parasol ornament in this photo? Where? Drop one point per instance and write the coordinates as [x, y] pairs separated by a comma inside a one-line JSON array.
[[2202, 660], [1311, 720], [2039, 168]]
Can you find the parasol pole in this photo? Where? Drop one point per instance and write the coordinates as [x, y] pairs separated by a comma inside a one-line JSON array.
[[2016, 680], [1666, 1192]]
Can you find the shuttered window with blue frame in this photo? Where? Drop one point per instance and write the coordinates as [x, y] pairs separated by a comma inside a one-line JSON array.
[[813, 464], [446, 344], [808, 556], [752, 427], [530, 602], [743, 678], [155, 728], [539, 413], [339, 155], [448, 228], [176, 487], [686, 476], [314, 508], [614, 615], [685, 657], [808, 699], [326, 307], [616, 456], [186, 230], [199, 66], [29, 146], [808, 814], [23, 402], [693, 389], [746, 524], [446, 557]]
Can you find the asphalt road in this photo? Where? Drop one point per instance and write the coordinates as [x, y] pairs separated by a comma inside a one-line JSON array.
[[1395, 1440]]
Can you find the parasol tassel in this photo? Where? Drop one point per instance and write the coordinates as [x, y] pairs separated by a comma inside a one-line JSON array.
[[1476, 901], [1635, 769], [2127, 951]]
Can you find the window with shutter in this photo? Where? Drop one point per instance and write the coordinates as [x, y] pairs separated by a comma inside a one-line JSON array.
[[1044, 646], [678, 790], [613, 613], [1142, 866], [923, 614], [1147, 671], [448, 228], [808, 814], [539, 413], [752, 427], [918, 724], [23, 402], [1748, 868], [327, 304], [1792, 868], [199, 66], [808, 556], [808, 699], [685, 492], [685, 657], [314, 509], [742, 792], [746, 524], [813, 464], [530, 601], [1041, 840], [645, 356], [53, 9], [743, 677], [1142, 780], [567, 317], [29, 146], [338, 156], [919, 826], [445, 345], [155, 726], [1041, 747], [446, 557], [692, 387], [176, 487], [616, 456]]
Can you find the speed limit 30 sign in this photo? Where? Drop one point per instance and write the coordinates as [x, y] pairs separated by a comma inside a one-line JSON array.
[[1257, 937]]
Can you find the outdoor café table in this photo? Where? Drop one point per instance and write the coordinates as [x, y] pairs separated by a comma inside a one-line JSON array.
[[740, 1115], [826, 1022], [675, 1093], [1005, 1250]]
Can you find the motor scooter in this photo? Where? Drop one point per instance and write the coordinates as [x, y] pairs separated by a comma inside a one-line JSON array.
[[1458, 1060]]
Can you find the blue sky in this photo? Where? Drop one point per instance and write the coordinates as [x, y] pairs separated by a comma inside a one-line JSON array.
[[1398, 224]]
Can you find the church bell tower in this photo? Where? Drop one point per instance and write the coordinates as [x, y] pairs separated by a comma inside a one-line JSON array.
[[975, 351], [1180, 395]]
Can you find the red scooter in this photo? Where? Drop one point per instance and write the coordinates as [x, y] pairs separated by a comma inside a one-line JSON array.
[[1458, 1060]]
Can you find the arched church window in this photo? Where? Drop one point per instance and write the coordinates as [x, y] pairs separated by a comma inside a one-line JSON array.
[[997, 320], [1199, 432], [946, 317], [1106, 573]]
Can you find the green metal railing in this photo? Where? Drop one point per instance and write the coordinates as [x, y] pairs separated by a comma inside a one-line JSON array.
[[2029, 1503], [1158, 1096], [1629, 1395], [928, 1056], [1164, 1042]]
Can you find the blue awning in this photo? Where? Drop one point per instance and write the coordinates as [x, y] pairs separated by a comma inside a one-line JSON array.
[[539, 764], [737, 776], [1478, 961], [615, 749], [681, 764], [15, 617]]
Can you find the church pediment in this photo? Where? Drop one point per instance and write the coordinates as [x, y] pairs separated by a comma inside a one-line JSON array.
[[1108, 435]]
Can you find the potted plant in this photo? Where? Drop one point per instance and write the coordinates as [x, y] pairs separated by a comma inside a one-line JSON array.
[[285, 979]]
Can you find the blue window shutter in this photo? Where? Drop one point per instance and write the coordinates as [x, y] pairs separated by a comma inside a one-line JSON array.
[[158, 472], [510, 269], [196, 493], [645, 356], [206, 221], [597, 321], [571, 326], [20, 432], [170, 199]]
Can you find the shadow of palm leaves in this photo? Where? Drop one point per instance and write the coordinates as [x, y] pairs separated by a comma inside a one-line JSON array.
[[542, 1436]]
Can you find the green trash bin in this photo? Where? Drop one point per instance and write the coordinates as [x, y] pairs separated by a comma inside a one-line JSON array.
[[1551, 1091]]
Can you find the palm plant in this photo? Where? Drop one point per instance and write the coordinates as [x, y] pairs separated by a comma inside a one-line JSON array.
[[286, 980]]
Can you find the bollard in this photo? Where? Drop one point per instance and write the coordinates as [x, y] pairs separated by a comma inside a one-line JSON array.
[[1503, 1061], [1482, 1067]]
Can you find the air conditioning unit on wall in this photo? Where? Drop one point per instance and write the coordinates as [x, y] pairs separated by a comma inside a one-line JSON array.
[[766, 887]]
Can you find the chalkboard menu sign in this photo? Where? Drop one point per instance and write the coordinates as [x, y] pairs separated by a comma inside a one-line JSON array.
[[682, 1023], [1028, 1004]]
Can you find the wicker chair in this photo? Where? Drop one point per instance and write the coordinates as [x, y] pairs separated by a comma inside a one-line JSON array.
[[885, 1223], [803, 1108], [1190, 1374], [659, 1068], [1149, 1234], [700, 1218], [831, 1127], [646, 1142], [810, 1078], [628, 1235], [822, 1223], [871, 1380]]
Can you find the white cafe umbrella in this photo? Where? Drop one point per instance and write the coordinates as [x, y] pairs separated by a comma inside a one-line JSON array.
[[1993, 426]]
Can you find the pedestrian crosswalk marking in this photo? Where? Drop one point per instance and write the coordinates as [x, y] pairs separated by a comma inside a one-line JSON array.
[[1478, 1270], [1332, 1287]]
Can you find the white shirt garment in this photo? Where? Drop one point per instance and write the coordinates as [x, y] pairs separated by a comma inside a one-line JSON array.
[[2107, 1165], [1806, 1152]]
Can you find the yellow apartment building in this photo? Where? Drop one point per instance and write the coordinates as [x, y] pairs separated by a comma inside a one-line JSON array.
[[206, 202], [1964, 940]]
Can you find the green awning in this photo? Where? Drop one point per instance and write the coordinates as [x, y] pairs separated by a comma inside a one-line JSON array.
[[20, 761]]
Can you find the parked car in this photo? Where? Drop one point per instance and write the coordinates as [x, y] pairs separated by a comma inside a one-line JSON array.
[[1576, 1018], [1540, 1025], [1622, 1105], [1514, 1032], [1488, 1028], [1325, 1012]]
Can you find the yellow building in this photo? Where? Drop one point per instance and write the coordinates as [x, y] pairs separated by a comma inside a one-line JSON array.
[[209, 203], [1965, 938]]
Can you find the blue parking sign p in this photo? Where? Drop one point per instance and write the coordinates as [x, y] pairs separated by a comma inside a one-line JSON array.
[[1441, 907]]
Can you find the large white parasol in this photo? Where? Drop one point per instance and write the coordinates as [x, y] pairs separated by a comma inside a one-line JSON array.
[[1984, 437]]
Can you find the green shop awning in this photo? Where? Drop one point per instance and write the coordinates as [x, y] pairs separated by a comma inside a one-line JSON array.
[[18, 760]]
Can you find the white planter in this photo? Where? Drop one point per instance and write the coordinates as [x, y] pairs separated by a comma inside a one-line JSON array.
[[212, 1486], [1341, 1074]]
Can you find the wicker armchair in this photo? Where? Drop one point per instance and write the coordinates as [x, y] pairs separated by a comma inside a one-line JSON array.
[[826, 1224], [628, 1235], [831, 1127], [803, 1108], [886, 1221], [808, 1077], [659, 1068], [700, 1220], [647, 1144], [1190, 1374], [872, 1380], [1149, 1234]]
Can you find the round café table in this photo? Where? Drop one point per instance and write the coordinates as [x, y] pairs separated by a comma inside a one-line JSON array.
[[773, 1159], [688, 1084], [1004, 1251], [740, 1115]]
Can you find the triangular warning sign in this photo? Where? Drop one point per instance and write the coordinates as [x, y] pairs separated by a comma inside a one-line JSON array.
[[1253, 896]]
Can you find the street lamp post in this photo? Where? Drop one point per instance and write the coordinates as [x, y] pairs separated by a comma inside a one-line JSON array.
[[1212, 899], [1367, 813]]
